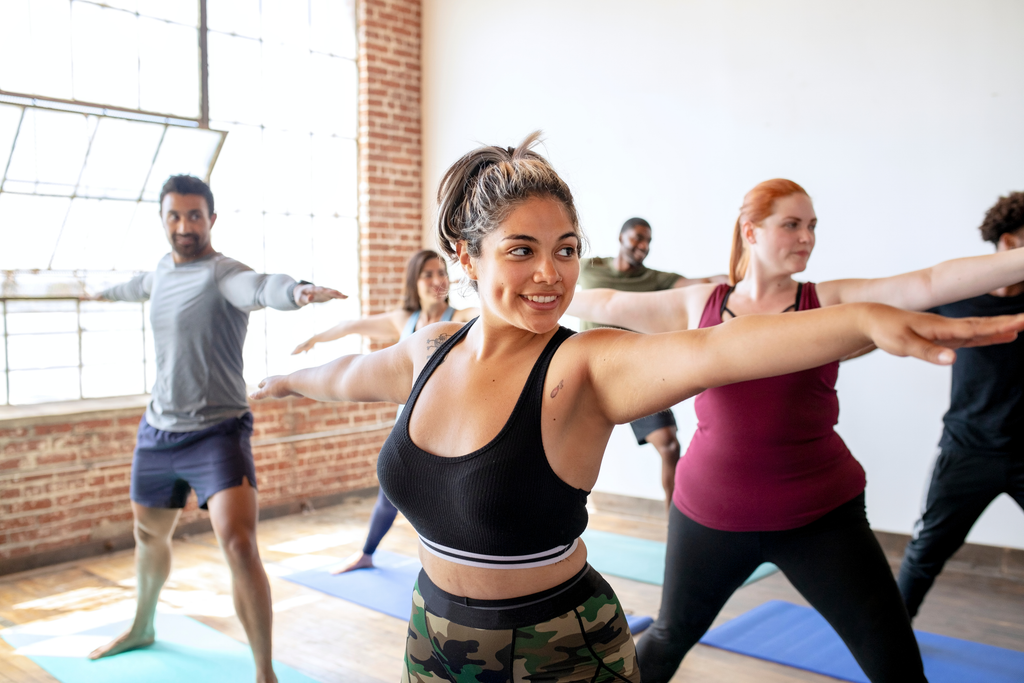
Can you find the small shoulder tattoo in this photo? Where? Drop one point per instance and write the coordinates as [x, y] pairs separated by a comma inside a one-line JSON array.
[[561, 385], [435, 343]]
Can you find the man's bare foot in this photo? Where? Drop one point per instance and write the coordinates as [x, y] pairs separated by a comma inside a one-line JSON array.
[[129, 640], [268, 677], [360, 561]]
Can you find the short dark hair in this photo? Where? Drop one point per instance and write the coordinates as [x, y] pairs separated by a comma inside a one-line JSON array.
[[632, 223], [187, 184], [1006, 215]]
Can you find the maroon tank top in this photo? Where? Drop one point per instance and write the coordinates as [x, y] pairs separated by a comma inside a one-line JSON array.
[[765, 456]]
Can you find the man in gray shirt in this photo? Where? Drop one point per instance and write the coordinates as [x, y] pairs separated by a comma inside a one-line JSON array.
[[195, 433]]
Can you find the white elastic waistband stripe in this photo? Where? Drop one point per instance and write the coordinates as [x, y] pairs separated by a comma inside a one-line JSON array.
[[502, 562], [497, 558]]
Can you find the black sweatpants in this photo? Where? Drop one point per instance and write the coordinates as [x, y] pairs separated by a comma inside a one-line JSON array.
[[962, 485], [836, 564]]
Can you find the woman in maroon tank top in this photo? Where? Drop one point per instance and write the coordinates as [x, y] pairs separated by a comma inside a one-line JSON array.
[[766, 477]]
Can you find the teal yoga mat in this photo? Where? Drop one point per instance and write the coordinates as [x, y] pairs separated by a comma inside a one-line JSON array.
[[638, 558], [186, 651]]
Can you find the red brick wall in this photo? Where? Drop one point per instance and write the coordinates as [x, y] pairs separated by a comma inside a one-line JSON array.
[[64, 479], [389, 144]]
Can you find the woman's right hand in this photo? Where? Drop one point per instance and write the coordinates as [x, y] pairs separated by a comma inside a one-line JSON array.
[[932, 337], [304, 346]]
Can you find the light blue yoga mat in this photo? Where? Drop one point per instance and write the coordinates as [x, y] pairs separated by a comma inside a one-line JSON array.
[[186, 651], [800, 637], [638, 558], [387, 586]]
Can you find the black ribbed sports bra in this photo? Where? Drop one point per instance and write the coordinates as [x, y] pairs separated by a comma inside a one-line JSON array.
[[501, 506]]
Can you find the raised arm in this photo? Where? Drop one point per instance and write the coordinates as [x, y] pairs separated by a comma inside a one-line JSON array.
[[248, 290], [384, 375], [649, 312], [690, 281], [920, 290], [635, 375], [136, 289], [380, 327]]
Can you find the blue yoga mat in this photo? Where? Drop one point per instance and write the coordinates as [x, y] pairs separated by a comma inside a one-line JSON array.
[[800, 637], [387, 587], [185, 650], [638, 558]]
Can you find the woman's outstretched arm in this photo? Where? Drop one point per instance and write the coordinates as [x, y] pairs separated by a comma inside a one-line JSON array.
[[920, 290], [648, 312], [380, 327], [635, 375], [384, 375]]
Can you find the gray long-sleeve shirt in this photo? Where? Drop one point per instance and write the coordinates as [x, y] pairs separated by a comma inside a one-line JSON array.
[[199, 313]]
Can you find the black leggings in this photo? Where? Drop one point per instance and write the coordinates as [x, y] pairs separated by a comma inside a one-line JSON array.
[[963, 484], [836, 564]]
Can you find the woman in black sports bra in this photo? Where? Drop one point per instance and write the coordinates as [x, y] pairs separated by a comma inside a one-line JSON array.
[[507, 419]]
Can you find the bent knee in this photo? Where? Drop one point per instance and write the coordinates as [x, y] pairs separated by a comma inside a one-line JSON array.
[[240, 546], [149, 536], [671, 447]]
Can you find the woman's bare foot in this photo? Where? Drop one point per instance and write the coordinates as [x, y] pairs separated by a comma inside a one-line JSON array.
[[360, 561], [129, 640]]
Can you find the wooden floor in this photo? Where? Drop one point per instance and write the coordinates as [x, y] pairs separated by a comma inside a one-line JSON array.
[[333, 640]]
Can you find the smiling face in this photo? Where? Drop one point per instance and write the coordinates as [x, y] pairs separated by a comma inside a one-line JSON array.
[[635, 245], [187, 222], [783, 242], [528, 266], [432, 283]]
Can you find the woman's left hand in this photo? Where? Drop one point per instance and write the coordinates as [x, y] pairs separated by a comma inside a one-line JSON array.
[[932, 337], [273, 387]]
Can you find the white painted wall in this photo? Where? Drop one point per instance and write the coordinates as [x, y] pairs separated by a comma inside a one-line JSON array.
[[902, 120]]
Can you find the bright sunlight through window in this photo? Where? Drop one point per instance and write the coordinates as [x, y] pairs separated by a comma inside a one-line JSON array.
[[99, 104]]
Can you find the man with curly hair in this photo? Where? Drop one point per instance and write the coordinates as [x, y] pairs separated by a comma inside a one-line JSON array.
[[982, 447]]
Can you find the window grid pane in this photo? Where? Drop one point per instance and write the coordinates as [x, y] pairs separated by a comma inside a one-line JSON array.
[[285, 177]]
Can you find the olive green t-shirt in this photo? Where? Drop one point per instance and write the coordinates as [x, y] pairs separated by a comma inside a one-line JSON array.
[[600, 272]]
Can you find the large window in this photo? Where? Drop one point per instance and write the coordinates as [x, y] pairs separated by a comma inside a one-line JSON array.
[[99, 103]]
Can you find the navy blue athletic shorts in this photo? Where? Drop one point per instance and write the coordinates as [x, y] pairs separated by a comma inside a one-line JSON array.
[[651, 423], [167, 465]]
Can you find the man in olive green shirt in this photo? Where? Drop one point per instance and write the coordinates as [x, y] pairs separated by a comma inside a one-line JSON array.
[[626, 272]]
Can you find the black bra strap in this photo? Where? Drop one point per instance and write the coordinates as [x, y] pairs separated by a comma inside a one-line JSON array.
[[536, 381], [795, 306], [725, 300], [428, 368]]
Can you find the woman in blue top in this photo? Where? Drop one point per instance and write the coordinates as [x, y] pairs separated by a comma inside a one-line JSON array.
[[425, 301]]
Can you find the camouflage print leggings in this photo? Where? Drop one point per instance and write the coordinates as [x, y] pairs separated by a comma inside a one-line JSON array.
[[573, 633]]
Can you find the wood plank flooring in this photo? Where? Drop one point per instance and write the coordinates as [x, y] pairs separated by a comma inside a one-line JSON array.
[[332, 640]]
